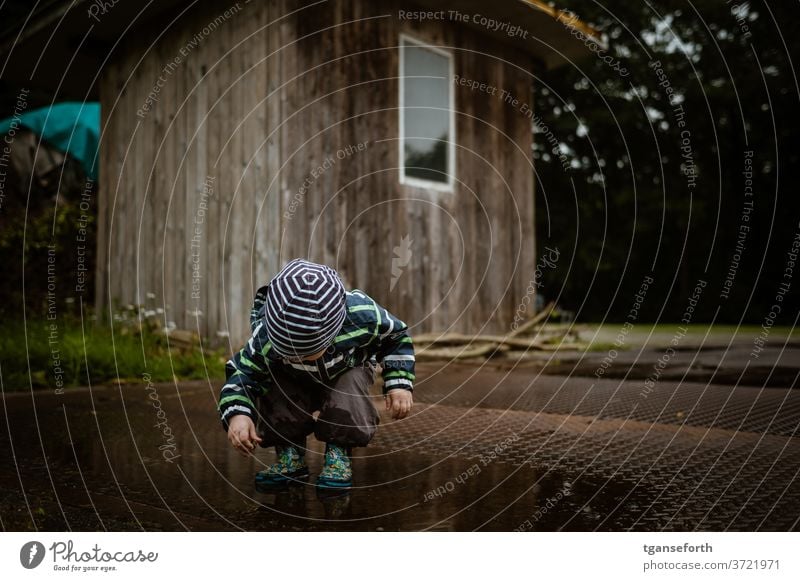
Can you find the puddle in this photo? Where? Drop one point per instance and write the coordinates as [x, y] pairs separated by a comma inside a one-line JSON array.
[[449, 494], [106, 453]]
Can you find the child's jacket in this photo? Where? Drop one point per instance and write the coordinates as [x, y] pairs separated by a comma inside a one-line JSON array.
[[369, 332]]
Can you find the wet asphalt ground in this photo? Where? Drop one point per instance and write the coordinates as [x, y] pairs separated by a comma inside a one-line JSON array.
[[488, 447]]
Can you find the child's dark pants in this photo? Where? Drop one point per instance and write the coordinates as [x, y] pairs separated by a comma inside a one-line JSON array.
[[346, 418]]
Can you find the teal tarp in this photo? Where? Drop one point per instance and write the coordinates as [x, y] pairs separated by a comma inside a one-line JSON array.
[[73, 128]]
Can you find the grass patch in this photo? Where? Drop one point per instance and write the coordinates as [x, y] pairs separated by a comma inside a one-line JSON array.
[[71, 355]]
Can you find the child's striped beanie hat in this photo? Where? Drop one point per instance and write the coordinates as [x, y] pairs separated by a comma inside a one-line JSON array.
[[305, 308]]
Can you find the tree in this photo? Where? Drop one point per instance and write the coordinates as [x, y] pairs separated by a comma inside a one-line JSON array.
[[658, 130]]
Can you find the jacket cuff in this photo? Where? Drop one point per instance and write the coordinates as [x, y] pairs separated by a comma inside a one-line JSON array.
[[397, 383], [237, 409]]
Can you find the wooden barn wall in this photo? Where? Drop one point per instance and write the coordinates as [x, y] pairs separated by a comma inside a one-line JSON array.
[[472, 250], [187, 182], [258, 105]]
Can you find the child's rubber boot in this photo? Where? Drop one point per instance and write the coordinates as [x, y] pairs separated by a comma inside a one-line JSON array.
[[337, 474], [289, 469]]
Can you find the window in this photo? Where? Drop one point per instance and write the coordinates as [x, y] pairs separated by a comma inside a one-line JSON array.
[[427, 113]]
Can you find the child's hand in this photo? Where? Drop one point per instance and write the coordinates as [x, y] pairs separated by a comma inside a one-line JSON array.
[[242, 434], [400, 402]]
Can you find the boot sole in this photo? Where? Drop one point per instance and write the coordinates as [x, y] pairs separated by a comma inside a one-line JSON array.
[[294, 479], [334, 484]]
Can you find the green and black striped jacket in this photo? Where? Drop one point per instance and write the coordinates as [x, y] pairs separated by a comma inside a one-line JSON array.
[[369, 332]]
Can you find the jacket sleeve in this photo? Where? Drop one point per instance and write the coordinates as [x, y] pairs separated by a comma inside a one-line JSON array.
[[247, 377], [395, 352]]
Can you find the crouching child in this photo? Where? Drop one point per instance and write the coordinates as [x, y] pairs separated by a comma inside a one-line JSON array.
[[314, 348]]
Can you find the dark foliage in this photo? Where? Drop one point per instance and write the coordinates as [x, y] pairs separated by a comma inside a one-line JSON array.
[[626, 207]]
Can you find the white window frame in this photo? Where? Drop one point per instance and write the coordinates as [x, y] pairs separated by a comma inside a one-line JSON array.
[[451, 142]]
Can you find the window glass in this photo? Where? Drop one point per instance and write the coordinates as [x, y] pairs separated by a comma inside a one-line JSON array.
[[426, 114]]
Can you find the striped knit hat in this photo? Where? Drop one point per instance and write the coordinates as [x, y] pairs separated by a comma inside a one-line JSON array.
[[305, 308]]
